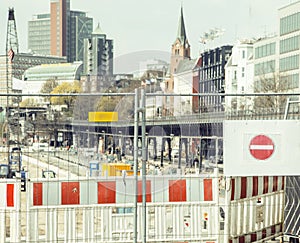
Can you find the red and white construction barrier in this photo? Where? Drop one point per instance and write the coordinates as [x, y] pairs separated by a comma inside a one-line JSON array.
[[8, 192], [254, 206], [251, 186], [118, 190], [10, 210]]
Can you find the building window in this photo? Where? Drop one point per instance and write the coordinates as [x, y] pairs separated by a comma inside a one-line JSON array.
[[290, 24], [289, 63], [264, 67], [289, 44], [291, 81], [243, 54], [265, 50], [243, 72]]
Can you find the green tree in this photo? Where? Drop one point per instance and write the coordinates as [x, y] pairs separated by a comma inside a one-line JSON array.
[[66, 88], [28, 102]]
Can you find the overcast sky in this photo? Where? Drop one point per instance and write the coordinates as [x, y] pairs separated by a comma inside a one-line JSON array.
[[140, 25]]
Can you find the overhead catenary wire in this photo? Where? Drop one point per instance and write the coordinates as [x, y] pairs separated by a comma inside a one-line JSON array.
[[150, 94]]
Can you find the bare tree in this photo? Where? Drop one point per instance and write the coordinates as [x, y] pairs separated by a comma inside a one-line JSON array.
[[271, 83], [122, 104], [49, 85]]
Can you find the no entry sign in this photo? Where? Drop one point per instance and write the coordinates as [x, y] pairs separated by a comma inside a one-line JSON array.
[[261, 147]]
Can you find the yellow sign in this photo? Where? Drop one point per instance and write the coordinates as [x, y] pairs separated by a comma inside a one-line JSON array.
[[101, 116]]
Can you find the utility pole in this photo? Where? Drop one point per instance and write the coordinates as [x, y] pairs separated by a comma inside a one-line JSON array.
[[140, 108]]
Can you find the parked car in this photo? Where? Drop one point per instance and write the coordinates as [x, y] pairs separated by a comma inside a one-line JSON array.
[[41, 147], [48, 174]]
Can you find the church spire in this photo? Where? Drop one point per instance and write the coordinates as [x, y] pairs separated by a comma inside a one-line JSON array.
[[181, 47], [181, 34]]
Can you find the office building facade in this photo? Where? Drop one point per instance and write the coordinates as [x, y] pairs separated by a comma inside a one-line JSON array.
[[39, 34], [81, 28], [59, 27], [289, 46], [276, 61], [60, 33]]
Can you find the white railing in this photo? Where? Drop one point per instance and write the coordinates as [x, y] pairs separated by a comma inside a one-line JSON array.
[[166, 222]]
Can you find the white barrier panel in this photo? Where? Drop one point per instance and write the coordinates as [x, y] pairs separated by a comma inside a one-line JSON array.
[[7, 192], [255, 208], [166, 222], [10, 228], [188, 210]]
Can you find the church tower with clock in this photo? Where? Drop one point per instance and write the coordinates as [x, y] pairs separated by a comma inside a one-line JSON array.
[[180, 51], [181, 47]]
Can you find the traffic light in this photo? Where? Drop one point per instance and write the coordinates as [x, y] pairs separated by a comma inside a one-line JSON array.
[[23, 181], [205, 219]]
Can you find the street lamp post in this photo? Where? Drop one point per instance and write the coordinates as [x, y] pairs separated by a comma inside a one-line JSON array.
[[4, 125], [103, 142], [147, 146], [88, 138], [170, 148], [120, 142], [119, 151]]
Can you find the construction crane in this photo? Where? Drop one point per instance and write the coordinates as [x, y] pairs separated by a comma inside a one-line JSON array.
[[12, 48], [12, 37], [14, 158]]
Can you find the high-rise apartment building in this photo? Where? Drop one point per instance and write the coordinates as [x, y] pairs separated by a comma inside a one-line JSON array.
[[98, 54], [60, 33], [97, 61]]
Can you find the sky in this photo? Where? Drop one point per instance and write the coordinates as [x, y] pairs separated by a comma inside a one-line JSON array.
[[140, 25]]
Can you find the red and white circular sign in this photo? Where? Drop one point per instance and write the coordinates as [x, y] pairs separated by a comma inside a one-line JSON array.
[[261, 147]]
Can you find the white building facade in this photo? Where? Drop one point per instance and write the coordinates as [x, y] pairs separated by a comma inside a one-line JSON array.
[[184, 84], [269, 64], [239, 75]]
